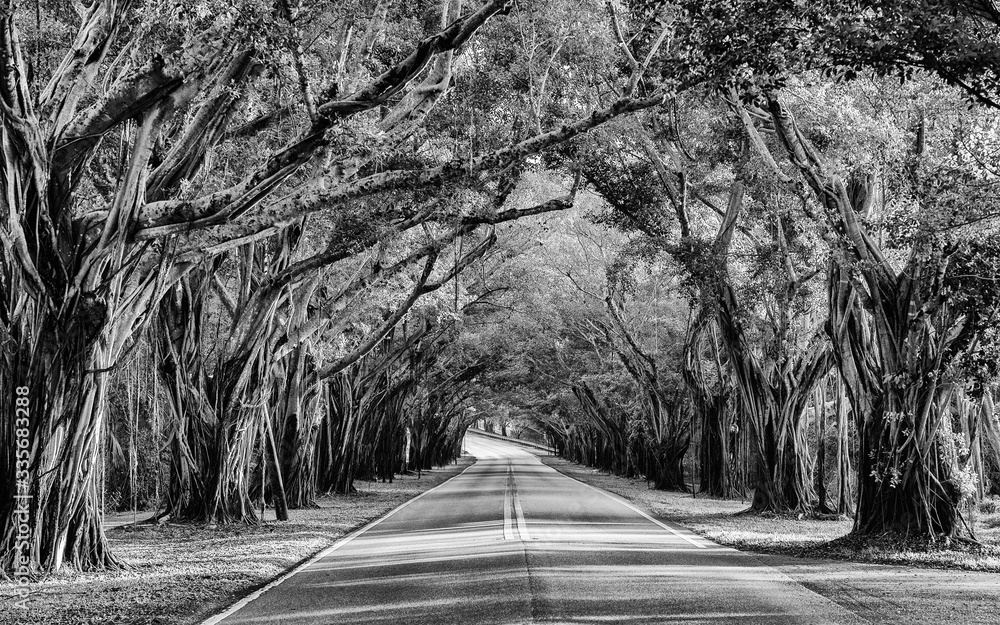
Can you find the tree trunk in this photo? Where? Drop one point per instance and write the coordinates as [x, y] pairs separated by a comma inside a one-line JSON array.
[[845, 501], [669, 462], [214, 437], [279, 499], [921, 503], [890, 359], [714, 453], [50, 513], [709, 403], [822, 504], [774, 410], [336, 449], [297, 427]]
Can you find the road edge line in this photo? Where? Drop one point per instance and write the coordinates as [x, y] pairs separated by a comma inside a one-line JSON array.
[[241, 603], [628, 505]]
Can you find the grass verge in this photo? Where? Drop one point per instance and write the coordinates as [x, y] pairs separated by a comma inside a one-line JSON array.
[[181, 574]]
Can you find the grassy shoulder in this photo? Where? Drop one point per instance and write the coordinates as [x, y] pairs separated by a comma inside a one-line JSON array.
[[726, 522], [181, 574]]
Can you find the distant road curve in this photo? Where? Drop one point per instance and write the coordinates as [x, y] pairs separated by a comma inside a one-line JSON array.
[[509, 439]]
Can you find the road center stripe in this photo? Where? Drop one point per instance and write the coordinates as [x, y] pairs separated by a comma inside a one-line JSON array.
[[508, 526], [522, 525]]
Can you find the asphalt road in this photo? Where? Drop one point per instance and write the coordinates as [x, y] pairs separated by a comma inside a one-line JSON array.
[[510, 541]]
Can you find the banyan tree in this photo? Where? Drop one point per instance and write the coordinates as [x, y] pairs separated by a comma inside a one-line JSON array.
[[142, 149], [775, 382], [905, 334]]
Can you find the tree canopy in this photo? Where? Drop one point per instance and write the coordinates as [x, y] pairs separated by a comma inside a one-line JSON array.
[[635, 228]]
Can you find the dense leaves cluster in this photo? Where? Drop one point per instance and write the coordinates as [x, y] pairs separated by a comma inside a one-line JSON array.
[[970, 288]]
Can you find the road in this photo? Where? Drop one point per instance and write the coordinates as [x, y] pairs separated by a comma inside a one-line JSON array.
[[512, 541]]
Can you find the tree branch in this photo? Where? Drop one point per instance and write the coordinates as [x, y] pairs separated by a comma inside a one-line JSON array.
[[166, 218]]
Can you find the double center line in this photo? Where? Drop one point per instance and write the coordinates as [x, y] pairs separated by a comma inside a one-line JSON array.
[[513, 515]]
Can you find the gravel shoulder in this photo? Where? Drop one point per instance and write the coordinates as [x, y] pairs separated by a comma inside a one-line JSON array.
[[921, 588], [181, 574]]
